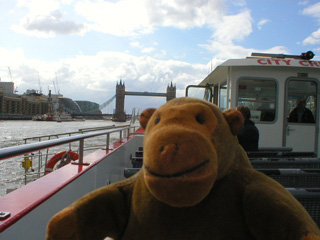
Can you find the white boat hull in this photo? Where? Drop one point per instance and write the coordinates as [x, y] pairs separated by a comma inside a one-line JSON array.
[[33, 205]]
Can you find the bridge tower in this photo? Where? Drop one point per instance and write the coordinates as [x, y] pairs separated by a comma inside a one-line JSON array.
[[171, 92], [119, 115]]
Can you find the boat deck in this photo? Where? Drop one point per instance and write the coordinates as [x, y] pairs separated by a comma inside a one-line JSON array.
[[298, 172]]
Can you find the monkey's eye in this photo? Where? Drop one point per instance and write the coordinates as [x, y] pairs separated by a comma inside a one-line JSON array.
[[157, 120], [200, 119]]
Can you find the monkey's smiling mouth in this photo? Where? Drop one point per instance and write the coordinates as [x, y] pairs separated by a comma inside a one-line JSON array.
[[178, 174]]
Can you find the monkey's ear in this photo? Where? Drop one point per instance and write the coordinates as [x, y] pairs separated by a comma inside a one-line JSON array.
[[234, 119], [145, 116]]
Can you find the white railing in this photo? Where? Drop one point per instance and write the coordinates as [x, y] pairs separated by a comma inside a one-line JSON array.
[[15, 151], [30, 207]]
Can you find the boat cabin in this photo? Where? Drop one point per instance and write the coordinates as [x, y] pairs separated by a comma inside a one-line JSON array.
[[272, 86]]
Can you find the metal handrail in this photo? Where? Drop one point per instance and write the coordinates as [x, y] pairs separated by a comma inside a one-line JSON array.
[[14, 151]]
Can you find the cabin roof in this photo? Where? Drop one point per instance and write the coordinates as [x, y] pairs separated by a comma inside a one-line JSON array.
[[261, 62], [274, 62]]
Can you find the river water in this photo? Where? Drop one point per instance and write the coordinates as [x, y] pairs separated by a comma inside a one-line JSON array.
[[12, 133]]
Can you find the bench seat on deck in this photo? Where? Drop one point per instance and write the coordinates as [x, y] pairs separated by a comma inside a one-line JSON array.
[[294, 178], [310, 200], [278, 152], [298, 172], [286, 163]]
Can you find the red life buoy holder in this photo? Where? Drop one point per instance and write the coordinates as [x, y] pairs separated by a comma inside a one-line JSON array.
[[57, 157]]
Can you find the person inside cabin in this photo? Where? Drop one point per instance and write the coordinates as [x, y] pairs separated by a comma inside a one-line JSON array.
[[267, 113], [300, 113], [249, 135]]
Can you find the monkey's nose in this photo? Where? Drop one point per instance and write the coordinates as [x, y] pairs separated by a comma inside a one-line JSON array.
[[167, 152]]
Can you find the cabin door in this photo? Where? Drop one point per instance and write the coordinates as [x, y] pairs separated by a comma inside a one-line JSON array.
[[301, 117]]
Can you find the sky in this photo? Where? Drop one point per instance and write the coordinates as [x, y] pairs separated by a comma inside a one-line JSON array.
[[83, 48]]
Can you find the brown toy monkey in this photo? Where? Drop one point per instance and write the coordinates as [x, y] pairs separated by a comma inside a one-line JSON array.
[[196, 183]]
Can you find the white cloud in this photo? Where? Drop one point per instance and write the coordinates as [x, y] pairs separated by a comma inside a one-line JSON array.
[[147, 78], [223, 52], [239, 3], [233, 27], [161, 54], [313, 11], [148, 50], [67, 2], [121, 18], [133, 17], [11, 57], [303, 2], [136, 44], [184, 13], [94, 78], [48, 25], [262, 22], [314, 38], [230, 29], [46, 20], [144, 49], [183, 55], [39, 7]]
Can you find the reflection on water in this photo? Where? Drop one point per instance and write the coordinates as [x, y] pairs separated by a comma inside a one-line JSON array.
[[12, 133]]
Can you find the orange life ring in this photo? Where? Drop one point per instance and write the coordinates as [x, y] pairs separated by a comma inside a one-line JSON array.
[[57, 157]]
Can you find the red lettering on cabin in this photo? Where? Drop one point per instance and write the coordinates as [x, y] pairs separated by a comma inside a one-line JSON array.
[[312, 64], [287, 62], [273, 61], [304, 63], [262, 61], [276, 61]]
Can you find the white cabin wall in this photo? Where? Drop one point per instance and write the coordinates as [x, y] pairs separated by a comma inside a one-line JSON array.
[[271, 134]]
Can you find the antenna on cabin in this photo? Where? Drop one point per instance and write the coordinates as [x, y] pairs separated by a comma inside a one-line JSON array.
[[307, 56]]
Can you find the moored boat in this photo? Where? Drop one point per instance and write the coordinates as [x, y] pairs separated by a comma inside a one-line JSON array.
[[57, 117]]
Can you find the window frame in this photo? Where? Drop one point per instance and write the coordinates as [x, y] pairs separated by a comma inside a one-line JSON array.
[[276, 99], [286, 110], [224, 83]]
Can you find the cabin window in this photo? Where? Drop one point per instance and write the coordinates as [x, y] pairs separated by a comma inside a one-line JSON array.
[[223, 96], [201, 92], [260, 96], [302, 104]]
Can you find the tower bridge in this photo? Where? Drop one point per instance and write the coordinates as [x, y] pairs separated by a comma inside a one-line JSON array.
[[119, 115]]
